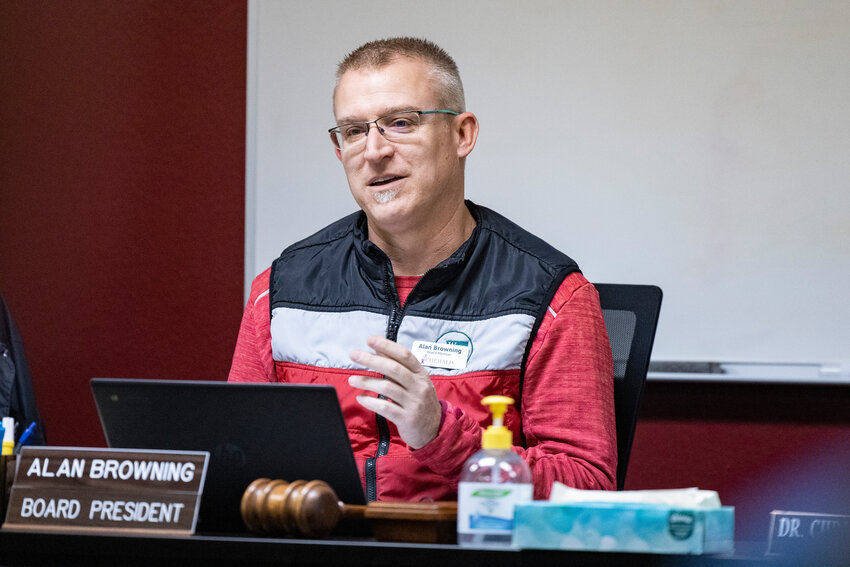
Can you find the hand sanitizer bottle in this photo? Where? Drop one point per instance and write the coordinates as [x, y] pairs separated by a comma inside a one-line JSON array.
[[493, 480]]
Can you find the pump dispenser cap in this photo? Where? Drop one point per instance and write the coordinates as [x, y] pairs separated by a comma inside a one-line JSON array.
[[497, 436]]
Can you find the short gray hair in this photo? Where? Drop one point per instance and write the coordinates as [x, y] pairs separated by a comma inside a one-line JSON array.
[[382, 52]]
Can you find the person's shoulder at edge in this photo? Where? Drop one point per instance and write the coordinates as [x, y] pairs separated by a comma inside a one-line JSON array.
[[573, 285], [519, 237], [329, 233], [259, 287]]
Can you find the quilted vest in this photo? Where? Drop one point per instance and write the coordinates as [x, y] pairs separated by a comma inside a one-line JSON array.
[[329, 292]]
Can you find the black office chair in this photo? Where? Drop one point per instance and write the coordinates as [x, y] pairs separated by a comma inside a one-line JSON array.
[[631, 316], [17, 398]]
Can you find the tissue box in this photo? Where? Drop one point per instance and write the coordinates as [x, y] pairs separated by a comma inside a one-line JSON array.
[[643, 528]]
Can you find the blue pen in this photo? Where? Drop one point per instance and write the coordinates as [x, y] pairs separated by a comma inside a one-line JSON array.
[[25, 436]]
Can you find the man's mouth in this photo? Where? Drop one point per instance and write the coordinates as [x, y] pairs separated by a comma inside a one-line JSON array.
[[384, 180]]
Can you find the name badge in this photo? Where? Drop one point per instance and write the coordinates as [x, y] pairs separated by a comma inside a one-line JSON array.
[[441, 355]]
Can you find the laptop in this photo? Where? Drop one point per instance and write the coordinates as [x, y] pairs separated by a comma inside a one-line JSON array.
[[277, 431]]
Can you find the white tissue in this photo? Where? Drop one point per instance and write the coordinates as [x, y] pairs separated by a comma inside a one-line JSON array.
[[692, 498]]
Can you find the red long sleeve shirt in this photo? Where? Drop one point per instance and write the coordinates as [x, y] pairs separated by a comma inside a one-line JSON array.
[[567, 406]]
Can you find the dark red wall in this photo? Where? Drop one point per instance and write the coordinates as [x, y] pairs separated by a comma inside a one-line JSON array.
[[122, 144], [761, 446]]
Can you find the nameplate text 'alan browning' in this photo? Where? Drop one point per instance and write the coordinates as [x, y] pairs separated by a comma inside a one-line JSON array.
[[106, 490]]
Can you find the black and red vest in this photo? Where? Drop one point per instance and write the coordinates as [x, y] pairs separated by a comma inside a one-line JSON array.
[[331, 291]]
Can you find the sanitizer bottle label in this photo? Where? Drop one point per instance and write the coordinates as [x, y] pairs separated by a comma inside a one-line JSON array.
[[488, 508]]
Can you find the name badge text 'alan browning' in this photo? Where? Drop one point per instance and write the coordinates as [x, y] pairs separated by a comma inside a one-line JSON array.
[[441, 355]]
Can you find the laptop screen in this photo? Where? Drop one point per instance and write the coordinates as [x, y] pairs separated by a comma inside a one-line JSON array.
[[277, 431]]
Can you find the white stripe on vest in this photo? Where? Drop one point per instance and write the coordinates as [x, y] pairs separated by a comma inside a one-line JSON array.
[[325, 339]]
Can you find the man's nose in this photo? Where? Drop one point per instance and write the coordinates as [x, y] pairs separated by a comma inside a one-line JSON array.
[[377, 147]]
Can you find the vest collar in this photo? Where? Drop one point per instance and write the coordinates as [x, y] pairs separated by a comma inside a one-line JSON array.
[[377, 266]]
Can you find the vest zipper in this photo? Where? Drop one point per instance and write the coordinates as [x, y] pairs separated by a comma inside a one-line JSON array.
[[393, 324]]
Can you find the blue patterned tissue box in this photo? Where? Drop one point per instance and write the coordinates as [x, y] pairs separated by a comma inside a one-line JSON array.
[[643, 528]]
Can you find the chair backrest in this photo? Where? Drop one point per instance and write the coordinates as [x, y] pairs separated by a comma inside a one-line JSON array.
[[631, 316], [17, 398]]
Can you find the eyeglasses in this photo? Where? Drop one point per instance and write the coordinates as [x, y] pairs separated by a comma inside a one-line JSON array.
[[395, 127]]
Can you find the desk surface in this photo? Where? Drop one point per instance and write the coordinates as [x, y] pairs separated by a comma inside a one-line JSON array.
[[19, 549]]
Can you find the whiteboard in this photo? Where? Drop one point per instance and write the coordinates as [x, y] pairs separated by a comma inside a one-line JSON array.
[[702, 146]]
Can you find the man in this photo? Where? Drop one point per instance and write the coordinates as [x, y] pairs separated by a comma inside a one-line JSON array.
[[497, 310]]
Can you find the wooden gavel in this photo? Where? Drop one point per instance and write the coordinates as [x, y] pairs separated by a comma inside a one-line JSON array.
[[303, 508]]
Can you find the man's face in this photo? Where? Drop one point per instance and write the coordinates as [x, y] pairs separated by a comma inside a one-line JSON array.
[[399, 185]]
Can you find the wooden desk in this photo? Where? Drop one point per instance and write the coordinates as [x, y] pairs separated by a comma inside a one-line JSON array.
[[44, 549]]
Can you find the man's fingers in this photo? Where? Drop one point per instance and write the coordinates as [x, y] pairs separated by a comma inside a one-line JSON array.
[[379, 386], [412, 403], [381, 364], [385, 408], [395, 351]]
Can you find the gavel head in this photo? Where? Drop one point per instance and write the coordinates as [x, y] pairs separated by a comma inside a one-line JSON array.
[[310, 509]]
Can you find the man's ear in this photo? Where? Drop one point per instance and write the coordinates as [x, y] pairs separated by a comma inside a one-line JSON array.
[[467, 132], [338, 154]]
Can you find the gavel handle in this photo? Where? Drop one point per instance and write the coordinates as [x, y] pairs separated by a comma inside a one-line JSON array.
[[352, 511]]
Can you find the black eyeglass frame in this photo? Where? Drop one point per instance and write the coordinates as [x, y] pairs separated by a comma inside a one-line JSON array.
[[335, 130]]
